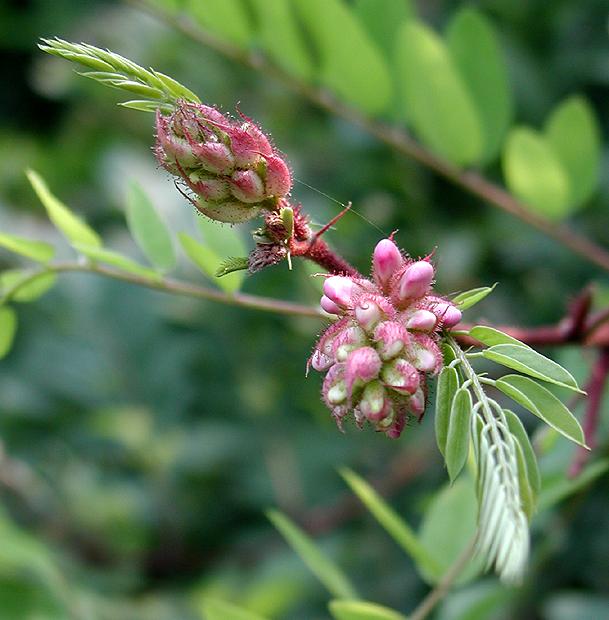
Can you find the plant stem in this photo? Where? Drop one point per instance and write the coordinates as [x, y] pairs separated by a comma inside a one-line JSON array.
[[393, 136], [427, 605], [176, 287]]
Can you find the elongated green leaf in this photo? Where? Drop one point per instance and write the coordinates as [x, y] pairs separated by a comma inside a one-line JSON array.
[[281, 37], [362, 610], [351, 64], [448, 526], [472, 42], [116, 260], [395, 526], [222, 240], [330, 575], [517, 429], [574, 135], [527, 497], [491, 336], [542, 403], [220, 610], [457, 440], [448, 383], [148, 230], [8, 327], [529, 362], [437, 102], [73, 228], [36, 250], [534, 173], [227, 19], [209, 263], [467, 299], [24, 286]]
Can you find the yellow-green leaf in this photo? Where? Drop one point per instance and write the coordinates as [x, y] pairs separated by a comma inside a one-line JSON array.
[[448, 384], [519, 432], [491, 336], [467, 299], [216, 609], [574, 135], [437, 102], [227, 19], [23, 286], [535, 174], [8, 327], [330, 575], [457, 440], [362, 610], [73, 228], [36, 250], [117, 260]]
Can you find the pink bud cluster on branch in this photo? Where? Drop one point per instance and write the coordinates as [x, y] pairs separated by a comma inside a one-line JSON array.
[[378, 354], [230, 166]]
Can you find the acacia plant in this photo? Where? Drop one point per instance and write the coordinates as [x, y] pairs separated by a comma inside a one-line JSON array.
[[392, 343]]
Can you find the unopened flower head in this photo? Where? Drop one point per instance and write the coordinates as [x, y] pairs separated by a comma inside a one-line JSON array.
[[230, 167], [379, 353]]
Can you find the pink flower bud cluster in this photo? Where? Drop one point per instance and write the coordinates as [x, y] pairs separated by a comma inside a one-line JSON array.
[[379, 353], [230, 166]]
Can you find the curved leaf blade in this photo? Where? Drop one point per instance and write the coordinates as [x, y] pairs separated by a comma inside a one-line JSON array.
[[457, 440], [36, 250], [216, 609], [362, 610], [117, 260], [72, 227], [448, 384], [529, 362], [148, 229], [467, 299], [574, 135], [519, 432], [330, 575], [436, 99], [542, 403], [23, 286], [8, 328], [491, 336], [227, 19]]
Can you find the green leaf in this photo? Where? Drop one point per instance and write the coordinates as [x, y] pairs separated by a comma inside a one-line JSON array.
[[448, 384], [227, 19], [574, 135], [330, 575], [472, 42], [527, 497], [467, 299], [362, 610], [219, 610], [448, 526], [148, 230], [484, 600], [529, 362], [8, 327], [351, 64], [534, 173], [395, 526], [209, 263], [457, 440], [491, 336], [36, 250], [232, 264], [143, 105], [225, 241], [24, 286], [519, 432], [116, 260], [437, 102], [542, 403], [73, 228], [281, 37]]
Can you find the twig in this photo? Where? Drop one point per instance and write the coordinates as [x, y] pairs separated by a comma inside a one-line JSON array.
[[395, 137]]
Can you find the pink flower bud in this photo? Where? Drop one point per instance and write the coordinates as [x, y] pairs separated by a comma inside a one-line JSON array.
[[211, 188], [169, 146], [320, 361], [329, 306], [416, 403], [334, 389], [214, 157], [231, 212], [396, 428], [386, 260], [372, 404], [346, 341], [401, 376], [248, 144], [367, 314], [422, 320], [339, 289], [390, 337], [211, 115], [278, 180], [448, 314], [362, 365], [425, 354], [416, 280], [247, 186]]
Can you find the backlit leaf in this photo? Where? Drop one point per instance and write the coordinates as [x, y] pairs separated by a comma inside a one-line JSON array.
[[36, 250], [457, 440], [227, 19], [448, 383], [362, 610], [117, 260], [469, 298], [24, 286], [517, 429], [8, 327], [491, 336], [542, 403], [220, 610]]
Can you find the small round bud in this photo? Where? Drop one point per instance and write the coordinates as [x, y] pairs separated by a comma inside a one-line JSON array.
[[386, 260], [367, 314], [278, 180], [391, 337], [339, 289], [416, 280], [422, 320], [230, 212], [372, 404], [401, 376], [214, 157], [247, 186], [362, 365], [329, 306]]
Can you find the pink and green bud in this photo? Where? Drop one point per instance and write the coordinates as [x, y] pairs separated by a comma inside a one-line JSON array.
[[391, 337], [248, 145], [214, 157], [416, 403], [401, 376], [367, 313], [230, 212], [373, 402], [247, 186], [340, 289], [425, 354], [278, 180], [397, 426], [320, 362], [346, 341], [422, 320], [334, 389], [415, 281], [210, 187], [362, 365], [329, 306], [386, 260], [448, 314]]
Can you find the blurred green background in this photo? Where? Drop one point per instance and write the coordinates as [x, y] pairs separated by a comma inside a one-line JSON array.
[[143, 436]]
